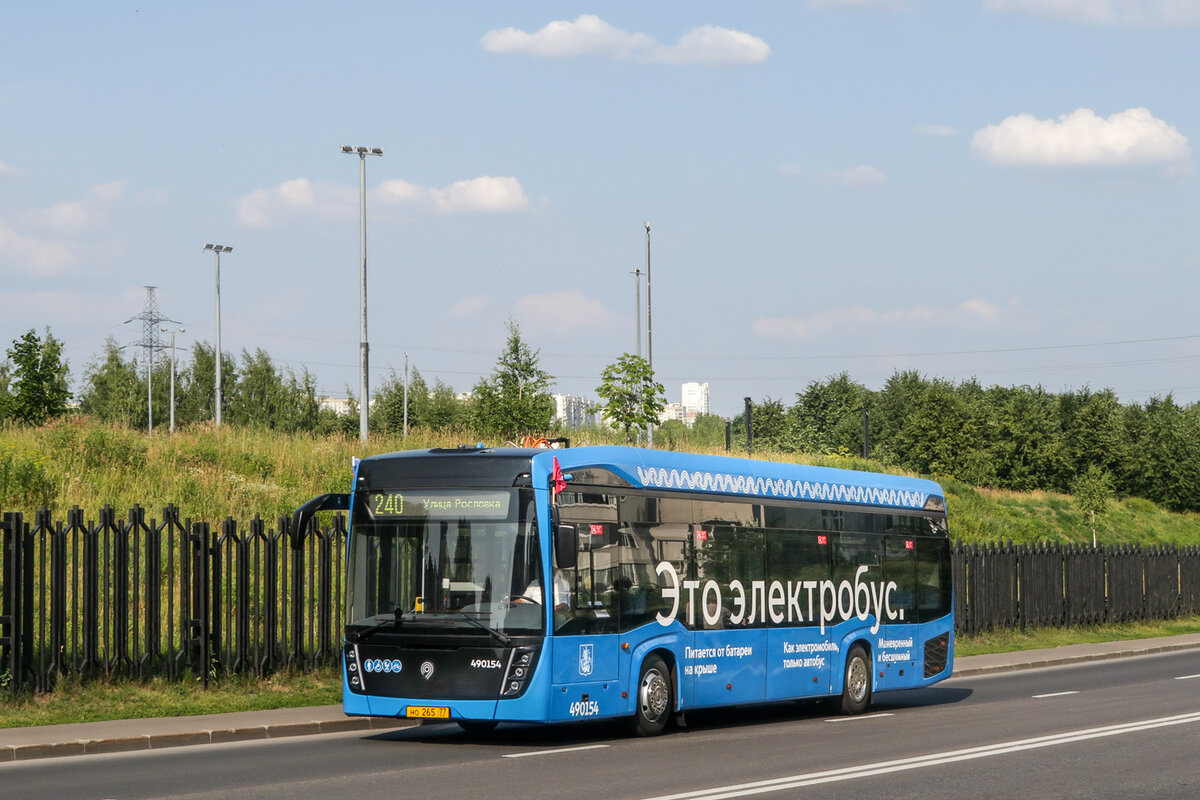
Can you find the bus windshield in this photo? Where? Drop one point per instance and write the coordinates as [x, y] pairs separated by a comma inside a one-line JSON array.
[[447, 558]]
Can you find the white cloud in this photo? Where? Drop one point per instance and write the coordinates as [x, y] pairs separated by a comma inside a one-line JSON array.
[[45, 242], [1081, 138], [302, 198], [6, 169], [709, 44], [936, 130], [973, 313], [1137, 13], [483, 195], [563, 311], [33, 255], [589, 35], [77, 216], [297, 197], [470, 306]]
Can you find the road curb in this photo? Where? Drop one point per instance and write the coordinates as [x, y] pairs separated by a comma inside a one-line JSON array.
[[157, 741], [1064, 660]]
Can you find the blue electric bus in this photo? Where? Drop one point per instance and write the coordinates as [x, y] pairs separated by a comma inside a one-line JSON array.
[[537, 585]]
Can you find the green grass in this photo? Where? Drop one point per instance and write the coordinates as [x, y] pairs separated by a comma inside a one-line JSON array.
[[1007, 641], [78, 701]]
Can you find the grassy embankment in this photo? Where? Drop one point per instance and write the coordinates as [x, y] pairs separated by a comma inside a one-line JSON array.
[[212, 474]]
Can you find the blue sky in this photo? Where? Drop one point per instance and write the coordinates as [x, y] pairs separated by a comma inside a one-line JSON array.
[[1003, 189]]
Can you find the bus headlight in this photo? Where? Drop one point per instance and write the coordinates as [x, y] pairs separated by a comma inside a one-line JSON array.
[[520, 666]]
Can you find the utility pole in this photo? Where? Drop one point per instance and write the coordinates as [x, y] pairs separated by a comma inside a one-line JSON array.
[[637, 301], [218, 398], [173, 331]]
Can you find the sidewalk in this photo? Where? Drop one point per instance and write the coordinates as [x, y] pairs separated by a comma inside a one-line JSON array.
[[143, 734]]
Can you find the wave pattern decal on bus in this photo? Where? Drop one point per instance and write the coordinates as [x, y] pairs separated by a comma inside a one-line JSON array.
[[759, 486]]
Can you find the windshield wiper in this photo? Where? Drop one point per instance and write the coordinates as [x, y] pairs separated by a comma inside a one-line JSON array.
[[354, 637], [483, 626]]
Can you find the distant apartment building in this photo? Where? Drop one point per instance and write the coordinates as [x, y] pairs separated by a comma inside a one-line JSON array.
[[572, 411], [671, 411], [695, 398], [694, 402], [338, 405]]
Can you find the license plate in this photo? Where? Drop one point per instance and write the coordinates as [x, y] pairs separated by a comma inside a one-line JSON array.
[[427, 712]]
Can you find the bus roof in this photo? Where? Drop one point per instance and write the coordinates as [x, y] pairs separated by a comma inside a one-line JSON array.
[[644, 468]]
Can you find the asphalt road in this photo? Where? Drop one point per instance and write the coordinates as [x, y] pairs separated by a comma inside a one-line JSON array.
[[1112, 729]]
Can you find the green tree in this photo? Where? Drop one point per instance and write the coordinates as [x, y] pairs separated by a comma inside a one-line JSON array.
[[923, 425], [267, 397], [445, 412], [5, 397], [514, 401], [827, 417], [387, 412], [1165, 441], [632, 398], [708, 430], [111, 389], [1094, 432], [1092, 490], [39, 377], [1027, 442], [197, 390]]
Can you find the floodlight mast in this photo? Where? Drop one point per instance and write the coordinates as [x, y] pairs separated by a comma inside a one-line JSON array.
[[364, 389]]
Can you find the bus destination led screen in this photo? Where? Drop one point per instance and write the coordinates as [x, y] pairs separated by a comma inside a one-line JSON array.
[[447, 504]]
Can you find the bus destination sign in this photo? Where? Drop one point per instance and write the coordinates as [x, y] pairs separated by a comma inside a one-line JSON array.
[[450, 503]]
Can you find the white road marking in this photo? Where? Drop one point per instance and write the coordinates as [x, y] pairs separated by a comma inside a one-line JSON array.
[[1053, 694], [859, 717], [930, 760], [1187, 677], [559, 750]]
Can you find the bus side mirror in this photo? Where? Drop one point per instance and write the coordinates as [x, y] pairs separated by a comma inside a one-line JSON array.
[[566, 546], [305, 513]]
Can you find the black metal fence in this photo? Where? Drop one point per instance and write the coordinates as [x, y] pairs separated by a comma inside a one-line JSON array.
[[171, 597], [1062, 585]]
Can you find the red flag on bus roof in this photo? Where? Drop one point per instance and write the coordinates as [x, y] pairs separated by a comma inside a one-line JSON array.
[[556, 478]]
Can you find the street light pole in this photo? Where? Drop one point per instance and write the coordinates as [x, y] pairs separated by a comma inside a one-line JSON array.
[[217, 250], [364, 391], [649, 329], [173, 331]]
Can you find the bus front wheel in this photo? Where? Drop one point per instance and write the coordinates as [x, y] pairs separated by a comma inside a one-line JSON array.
[[654, 696], [856, 688]]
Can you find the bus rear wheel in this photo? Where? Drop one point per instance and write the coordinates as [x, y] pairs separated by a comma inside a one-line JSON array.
[[856, 688], [654, 698]]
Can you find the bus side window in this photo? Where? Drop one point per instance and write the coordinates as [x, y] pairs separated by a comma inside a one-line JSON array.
[[594, 607], [645, 540], [797, 556], [933, 581], [900, 566]]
